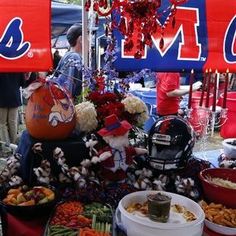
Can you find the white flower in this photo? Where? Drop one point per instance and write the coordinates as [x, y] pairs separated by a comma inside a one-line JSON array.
[[134, 105], [86, 117]]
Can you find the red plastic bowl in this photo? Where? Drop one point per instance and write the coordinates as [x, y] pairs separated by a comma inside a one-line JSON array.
[[215, 193]]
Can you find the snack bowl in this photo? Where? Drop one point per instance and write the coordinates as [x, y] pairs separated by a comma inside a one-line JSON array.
[[229, 146], [215, 193], [27, 201], [220, 228], [135, 224]]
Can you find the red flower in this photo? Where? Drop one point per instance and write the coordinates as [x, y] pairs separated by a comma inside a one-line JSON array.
[[105, 110], [102, 98], [100, 83], [110, 97], [109, 103]]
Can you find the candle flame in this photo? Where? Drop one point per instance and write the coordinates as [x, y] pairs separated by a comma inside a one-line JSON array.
[[192, 71], [227, 71], [210, 70]]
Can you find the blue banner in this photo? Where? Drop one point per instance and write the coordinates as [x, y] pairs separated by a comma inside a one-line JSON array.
[[203, 38]]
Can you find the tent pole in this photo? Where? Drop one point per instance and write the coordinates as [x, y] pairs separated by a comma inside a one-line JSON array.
[[85, 43]]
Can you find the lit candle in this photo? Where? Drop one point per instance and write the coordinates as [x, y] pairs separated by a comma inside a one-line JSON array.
[[225, 88], [203, 87], [208, 82], [190, 89], [215, 90]]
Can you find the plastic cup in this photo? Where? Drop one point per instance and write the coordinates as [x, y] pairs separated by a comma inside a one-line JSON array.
[[159, 207]]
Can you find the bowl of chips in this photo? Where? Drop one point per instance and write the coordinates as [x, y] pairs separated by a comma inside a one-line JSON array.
[[219, 218], [220, 228], [219, 185]]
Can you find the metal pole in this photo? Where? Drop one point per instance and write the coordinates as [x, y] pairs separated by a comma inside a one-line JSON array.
[[85, 35], [85, 46]]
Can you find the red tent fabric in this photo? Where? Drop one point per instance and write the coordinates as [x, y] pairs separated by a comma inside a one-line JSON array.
[[25, 36]]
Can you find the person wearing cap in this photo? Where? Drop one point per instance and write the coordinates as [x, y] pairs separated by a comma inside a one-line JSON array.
[[115, 158], [69, 69]]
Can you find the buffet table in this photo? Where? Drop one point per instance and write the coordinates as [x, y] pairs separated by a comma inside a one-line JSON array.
[[206, 232], [22, 226], [14, 226]]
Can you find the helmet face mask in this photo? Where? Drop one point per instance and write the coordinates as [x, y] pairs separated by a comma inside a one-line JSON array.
[[170, 142]]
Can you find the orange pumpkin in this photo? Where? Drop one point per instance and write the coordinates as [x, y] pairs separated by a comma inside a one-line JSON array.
[[50, 113]]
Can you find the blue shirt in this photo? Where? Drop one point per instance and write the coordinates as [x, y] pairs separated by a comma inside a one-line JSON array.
[[70, 73]]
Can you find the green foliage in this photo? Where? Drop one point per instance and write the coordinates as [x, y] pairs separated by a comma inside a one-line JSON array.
[[83, 95], [78, 2]]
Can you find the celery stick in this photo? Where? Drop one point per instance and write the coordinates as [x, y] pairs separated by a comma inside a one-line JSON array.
[[93, 221], [109, 228], [102, 227], [106, 227]]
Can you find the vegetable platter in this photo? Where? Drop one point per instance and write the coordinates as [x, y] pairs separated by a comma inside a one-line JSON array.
[[74, 218]]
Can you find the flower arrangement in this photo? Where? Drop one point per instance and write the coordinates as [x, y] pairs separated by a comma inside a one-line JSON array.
[[86, 117], [91, 113], [134, 105], [105, 97], [106, 104]]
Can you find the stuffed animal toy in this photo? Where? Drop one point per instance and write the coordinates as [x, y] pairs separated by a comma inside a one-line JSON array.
[[43, 172], [10, 168], [117, 156]]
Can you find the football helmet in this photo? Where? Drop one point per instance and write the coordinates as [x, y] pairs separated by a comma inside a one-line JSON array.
[[170, 143]]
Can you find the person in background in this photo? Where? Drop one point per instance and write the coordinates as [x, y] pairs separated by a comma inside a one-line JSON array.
[[169, 92], [56, 59], [10, 101], [232, 82], [69, 67]]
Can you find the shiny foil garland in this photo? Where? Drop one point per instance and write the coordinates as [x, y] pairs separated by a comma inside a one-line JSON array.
[[140, 15]]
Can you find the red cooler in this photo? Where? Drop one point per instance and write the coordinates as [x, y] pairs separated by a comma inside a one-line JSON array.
[[228, 128]]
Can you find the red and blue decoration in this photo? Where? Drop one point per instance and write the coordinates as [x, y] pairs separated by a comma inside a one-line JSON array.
[[141, 16]]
